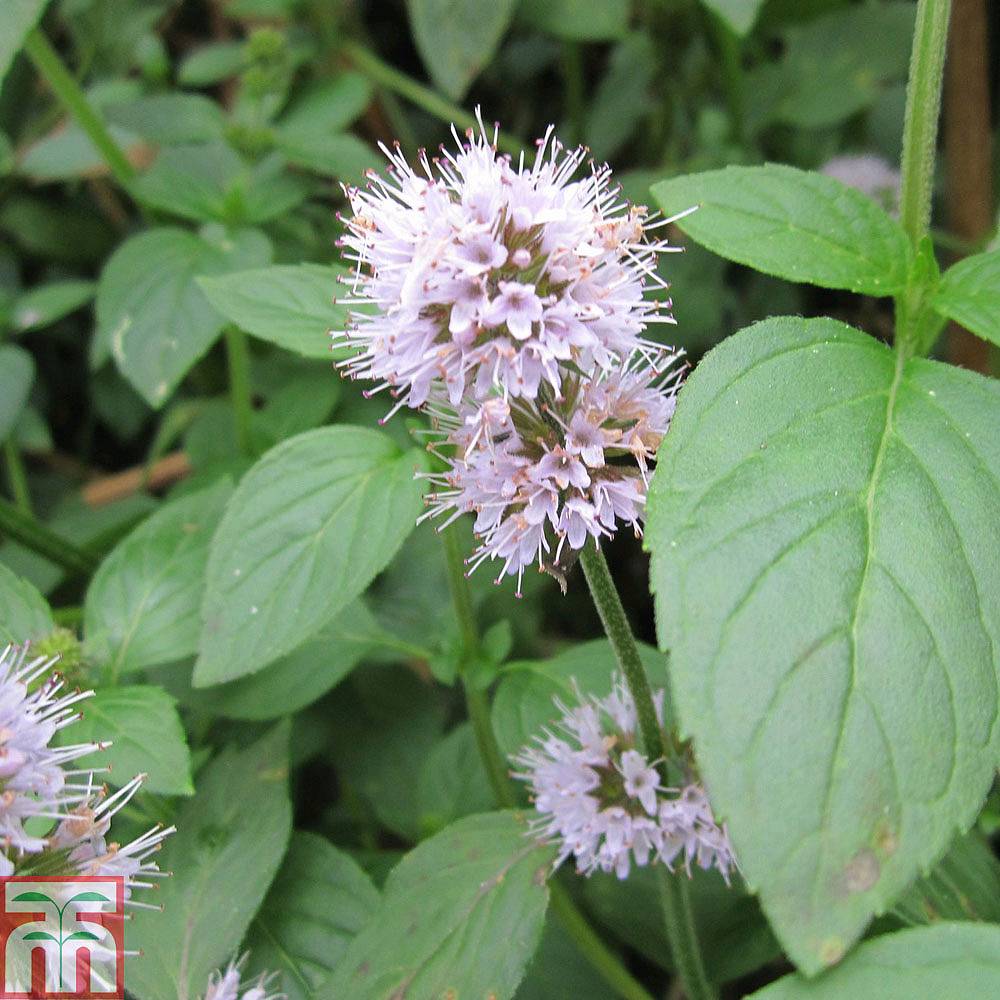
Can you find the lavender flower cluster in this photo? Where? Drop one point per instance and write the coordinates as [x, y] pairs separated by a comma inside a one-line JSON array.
[[509, 302], [601, 800], [228, 985]]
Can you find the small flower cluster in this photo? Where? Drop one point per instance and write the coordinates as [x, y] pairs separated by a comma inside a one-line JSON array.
[[36, 784], [601, 800], [510, 303], [227, 985]]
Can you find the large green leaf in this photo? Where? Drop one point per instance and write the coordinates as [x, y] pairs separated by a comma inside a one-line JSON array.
[[142, 604], [17, 18], [25, 615], [524, 702], [738, 14], [969, 293], [306, 531], [946, 962], [151, 315], [457, 38], [146, 737], [827, 575], [229, 842], [17, 373], [794, 224], [320, 900], [291, 305], [461, 916], [578, 20]]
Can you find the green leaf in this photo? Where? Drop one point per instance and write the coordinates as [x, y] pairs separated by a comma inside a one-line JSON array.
[[229, 842], [342, 156], [290, 305], [557, 973], [523, 705], [316, 906], [40, 936], [969, 293], [90, 897], [26, 615], [453, 782], [209, 182], [794, 224], [151, 315], [947, 962], [45, 304], [301, 677], [33, 897], [83, 935], [212, 64], [329, 106], [457, 39], [740, 15], [306, 531], [623, 96], [169, 118], [578, 20], [17, 18], [963, 885], [827, 576], [462, 912], [68, 153], [17, 373], [142, 605], [146, 737]]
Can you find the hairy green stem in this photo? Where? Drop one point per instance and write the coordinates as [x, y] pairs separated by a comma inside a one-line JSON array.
[[920, 125], [677, 915], [67, 90], [238, 358], [34, 535], [604, 962], [387, 76], [16, 476]]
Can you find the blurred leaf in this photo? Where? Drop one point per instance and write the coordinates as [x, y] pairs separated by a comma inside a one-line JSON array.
[[68, 153], [56, 229], [17, 18], [342, 156], [306, 531], [827, 577], [301, 677], [329, 106], [963, 885], [169, 118], [31, 432], [300, 405], [457, 39], [210, 182], [739, 15], [453, 782], [45, 304], [290, 305], [230, 840], [146, 737], [462, 912], [26, 615], [318, 903], [578, 20], [212, 64], [151, 314], [523, 705], [946, 961], [969, 293], [622, 99], [556, 971], [793, 224], [384, 722], [17, 373], [142, 605], [734, 935]]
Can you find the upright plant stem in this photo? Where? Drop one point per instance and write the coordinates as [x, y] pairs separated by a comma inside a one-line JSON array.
[[572, 71], [67, 90], [238, 357], [923, 105], [34, 535], [387, 76], [16, 476], [603, 960], [677, 915]]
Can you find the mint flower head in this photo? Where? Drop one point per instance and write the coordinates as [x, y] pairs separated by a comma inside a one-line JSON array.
[[510, 303], [601, 801], [226, 985]]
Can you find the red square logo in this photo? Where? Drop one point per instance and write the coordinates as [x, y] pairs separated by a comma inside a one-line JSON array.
[[62, 937]]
